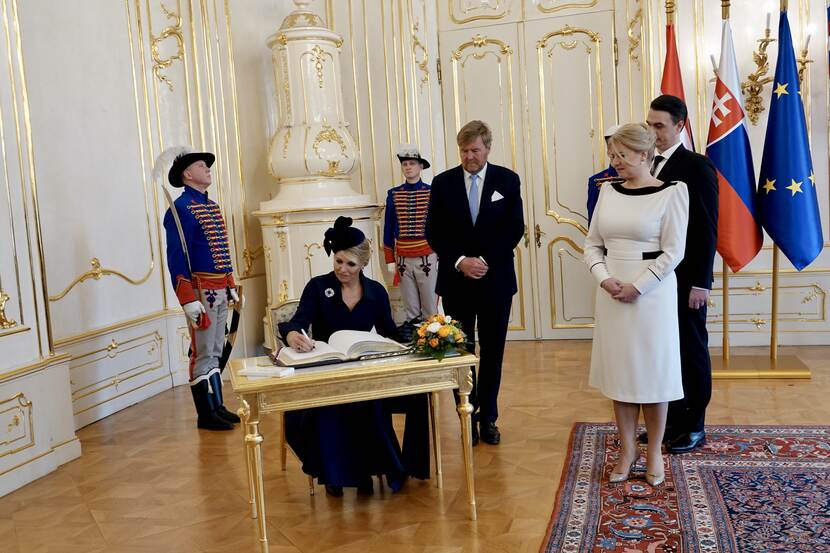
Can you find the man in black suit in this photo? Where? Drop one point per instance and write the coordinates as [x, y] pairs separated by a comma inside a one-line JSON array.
[[475, 222], [666, 117]]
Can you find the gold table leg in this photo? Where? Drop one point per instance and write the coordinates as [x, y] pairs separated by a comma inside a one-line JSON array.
[[244, 413], [465, 410], [436, 438], [253, 442]]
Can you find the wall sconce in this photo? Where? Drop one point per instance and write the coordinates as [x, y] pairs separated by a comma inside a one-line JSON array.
[[755, 82], [802, 62]]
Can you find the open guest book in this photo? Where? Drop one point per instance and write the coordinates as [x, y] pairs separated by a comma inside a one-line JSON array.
[[343, 345]]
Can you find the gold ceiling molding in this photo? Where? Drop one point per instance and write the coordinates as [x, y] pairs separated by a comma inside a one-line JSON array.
[[545, 9], [495, 5], [97, 273], [161, 63], [5, 322]]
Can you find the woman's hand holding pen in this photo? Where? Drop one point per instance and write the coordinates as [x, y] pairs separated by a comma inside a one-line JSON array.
[[300, 342]]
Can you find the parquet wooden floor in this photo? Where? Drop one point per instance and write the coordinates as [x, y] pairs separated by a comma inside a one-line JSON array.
[[150, 482]]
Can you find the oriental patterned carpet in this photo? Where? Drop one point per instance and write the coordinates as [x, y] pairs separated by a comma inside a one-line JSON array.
[[748, 489]]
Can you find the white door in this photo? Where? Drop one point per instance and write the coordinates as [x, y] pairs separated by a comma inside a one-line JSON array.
[[482, 76], [571, 98]]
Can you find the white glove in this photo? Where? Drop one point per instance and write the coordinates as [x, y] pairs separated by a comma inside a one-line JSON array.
[[234, 295], [391, 267], [193, 309]]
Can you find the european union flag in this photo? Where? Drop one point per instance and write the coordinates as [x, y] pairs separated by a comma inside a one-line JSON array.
[[787, 184]]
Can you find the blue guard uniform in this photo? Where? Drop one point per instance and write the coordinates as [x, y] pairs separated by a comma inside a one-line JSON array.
[[202, 273], [595, 182], [404, 243]]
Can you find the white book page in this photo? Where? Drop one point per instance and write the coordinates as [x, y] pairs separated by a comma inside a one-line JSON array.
[[321, 351], [358, 342]]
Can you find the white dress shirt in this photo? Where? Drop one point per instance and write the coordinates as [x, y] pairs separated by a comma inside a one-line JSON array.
[[468, 182]]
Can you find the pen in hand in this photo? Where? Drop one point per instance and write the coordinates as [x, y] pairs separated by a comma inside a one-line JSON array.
[[310, 341]]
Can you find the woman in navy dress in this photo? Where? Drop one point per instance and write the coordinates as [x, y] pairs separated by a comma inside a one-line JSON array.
[[344, 445]]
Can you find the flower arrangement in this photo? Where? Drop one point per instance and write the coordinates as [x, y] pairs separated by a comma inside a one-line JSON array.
[[438, 335]]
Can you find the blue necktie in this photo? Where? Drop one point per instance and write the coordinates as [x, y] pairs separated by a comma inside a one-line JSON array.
[[472, 198]]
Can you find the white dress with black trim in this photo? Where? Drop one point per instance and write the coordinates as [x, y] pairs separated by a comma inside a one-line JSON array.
[[638, 236]]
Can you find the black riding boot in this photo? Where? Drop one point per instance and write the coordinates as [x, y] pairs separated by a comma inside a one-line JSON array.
[[208, 419], [216, 383]]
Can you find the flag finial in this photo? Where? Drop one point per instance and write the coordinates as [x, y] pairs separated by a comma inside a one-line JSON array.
[[670, 12], [784, 5], [724, 9]]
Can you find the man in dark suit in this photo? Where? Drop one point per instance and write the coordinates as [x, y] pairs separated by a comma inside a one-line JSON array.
[[475, 222], [666, 117]]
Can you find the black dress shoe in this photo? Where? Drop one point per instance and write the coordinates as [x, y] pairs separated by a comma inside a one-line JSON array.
[[490, 433], [687, 442], [334, 491], [366, 487]]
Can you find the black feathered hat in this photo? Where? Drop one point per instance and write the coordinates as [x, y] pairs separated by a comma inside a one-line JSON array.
[[410, 151], [342, 236], [183, 161]]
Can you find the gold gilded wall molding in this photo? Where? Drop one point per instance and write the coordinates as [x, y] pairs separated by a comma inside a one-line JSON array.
[[634, 30], [5, 322], [480, 41], [131, 390], [466, 6], [309, 254], [541, 45], [35, 366], [318, 59], [420, 56], [114, 349], [540, 5], [97, 272], [809, 293], [160, 63], [121, 377], [249, 256], [520, 278], [560, 290], [283, 296], [17, 418]]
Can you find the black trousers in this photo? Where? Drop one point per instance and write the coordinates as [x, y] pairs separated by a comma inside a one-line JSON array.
[[688, 414], [492, 315]]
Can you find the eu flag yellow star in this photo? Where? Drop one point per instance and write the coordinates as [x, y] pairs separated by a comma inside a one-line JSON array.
[[812, 178], [795, 187], [769, 186], [780, 89]]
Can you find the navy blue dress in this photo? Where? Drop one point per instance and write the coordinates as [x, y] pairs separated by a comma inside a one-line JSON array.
[[344, 445]]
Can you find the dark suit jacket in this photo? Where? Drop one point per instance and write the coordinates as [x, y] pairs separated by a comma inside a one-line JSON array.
[[700, 177], [498, 229]]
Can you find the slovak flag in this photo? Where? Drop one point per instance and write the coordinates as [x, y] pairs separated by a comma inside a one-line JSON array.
[[727, 145], [672, 83]]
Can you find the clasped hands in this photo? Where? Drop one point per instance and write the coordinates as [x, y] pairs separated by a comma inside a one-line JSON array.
[[473, 267], [620, 291]]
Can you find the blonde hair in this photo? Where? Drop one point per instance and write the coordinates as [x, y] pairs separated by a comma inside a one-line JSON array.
[[637, 137], [362, 252], [473, 130]]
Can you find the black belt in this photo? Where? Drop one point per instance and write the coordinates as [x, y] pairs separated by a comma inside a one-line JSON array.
[[646, 255]]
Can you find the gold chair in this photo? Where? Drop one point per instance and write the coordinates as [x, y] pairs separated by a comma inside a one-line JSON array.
[[283, 313]]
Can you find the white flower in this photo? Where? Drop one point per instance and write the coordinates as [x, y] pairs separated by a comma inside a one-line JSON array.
[[447, 319], [328, 292], [434, 327]]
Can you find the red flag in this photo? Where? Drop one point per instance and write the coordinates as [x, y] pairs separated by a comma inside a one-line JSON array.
[[672, 82]]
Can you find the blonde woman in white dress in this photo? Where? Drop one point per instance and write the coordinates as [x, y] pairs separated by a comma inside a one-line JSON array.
[[636, 239]]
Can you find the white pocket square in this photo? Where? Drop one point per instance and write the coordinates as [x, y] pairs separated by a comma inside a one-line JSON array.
[[496, 196]]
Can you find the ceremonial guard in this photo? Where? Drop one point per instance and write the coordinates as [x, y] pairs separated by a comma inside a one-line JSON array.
[[596, 181], [199, 261], [404, 241]]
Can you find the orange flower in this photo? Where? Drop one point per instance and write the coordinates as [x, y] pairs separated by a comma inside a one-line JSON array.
[[422, 341], [433, 343], [444, 331], [422, 331]]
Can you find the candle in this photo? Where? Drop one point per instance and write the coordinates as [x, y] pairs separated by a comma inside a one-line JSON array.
[[806, 42], [769, 15], [714, 64]]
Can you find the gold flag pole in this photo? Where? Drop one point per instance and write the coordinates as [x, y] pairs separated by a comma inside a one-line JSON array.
[[670, 12], [756, 366]]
